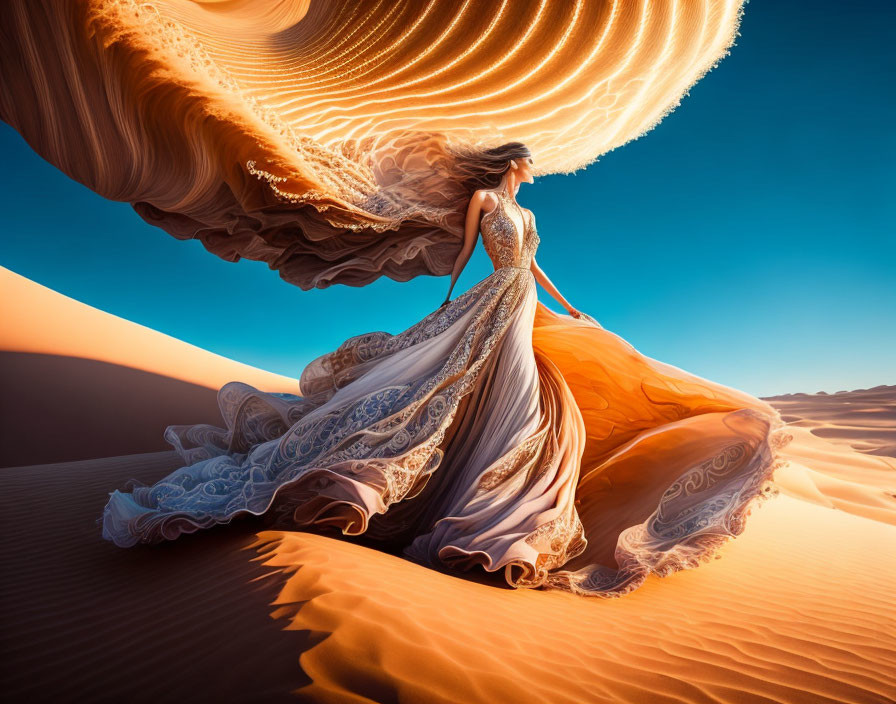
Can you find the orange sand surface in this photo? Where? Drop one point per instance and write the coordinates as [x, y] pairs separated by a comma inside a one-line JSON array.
[[799, 608], [37, 319], [105, 386], [864, 419]]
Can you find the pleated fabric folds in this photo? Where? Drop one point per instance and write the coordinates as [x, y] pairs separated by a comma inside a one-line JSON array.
[[493, 433]]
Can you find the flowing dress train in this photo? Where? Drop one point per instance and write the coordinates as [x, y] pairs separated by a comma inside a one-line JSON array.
[[493, 432]]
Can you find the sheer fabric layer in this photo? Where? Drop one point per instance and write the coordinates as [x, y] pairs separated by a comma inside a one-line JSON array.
[[494, 432], [366, 434], [322, 138], [673, 463], [500, 434]]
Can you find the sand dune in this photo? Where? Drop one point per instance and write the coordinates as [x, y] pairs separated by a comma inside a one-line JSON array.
[[799, 608], [85, 623], [864, 419], [58, 408], [39, 320], [105, 386], [791, 612], [828, 475]]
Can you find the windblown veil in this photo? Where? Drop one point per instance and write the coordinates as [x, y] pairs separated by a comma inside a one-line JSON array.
[[319, 137]]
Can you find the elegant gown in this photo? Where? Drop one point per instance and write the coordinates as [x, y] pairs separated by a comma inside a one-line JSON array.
[[493, 432]]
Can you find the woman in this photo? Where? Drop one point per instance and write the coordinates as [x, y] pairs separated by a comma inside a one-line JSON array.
[[493, 432]]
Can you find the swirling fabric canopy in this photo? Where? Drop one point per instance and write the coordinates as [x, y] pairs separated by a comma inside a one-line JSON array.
[[319, 136]]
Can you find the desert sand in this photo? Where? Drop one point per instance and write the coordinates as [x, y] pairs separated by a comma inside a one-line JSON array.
[[66, 365], [799, 608], [864, 419]]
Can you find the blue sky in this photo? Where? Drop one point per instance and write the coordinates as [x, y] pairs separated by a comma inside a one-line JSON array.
[[750, 238]]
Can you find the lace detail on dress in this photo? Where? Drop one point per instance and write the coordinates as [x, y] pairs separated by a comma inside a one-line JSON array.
[[698, 513], [519, 458], [370, 431], [501, 238], [361, 455]]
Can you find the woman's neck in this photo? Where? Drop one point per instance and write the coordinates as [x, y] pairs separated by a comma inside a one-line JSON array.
[[506, 188]]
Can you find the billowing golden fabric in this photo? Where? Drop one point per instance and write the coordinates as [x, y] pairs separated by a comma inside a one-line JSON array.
[[494, 432], [673, 463], [319, 137]]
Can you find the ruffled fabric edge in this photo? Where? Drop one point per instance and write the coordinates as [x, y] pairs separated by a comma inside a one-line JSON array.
[[651, 547], [322, 495]]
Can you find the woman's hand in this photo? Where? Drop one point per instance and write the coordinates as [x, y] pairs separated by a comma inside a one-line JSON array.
[[579, 315], [542, 278]]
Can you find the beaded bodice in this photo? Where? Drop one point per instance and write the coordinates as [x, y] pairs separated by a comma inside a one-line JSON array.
[[501, 236]]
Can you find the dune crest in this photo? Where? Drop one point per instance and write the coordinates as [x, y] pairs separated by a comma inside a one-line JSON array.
[[80, 383], [37, 319], [799, 608], [864, 419]]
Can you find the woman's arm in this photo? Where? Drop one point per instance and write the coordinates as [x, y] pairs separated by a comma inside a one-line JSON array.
[[471, 232], [543, 279]]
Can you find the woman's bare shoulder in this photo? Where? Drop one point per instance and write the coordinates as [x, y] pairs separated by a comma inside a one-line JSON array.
[[486, 199]]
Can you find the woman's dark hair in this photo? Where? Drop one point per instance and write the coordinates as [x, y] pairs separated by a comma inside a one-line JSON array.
[[485, 168]]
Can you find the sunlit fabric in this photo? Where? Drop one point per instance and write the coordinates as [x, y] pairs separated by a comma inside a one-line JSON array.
[[494, 433], [319, 136]]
